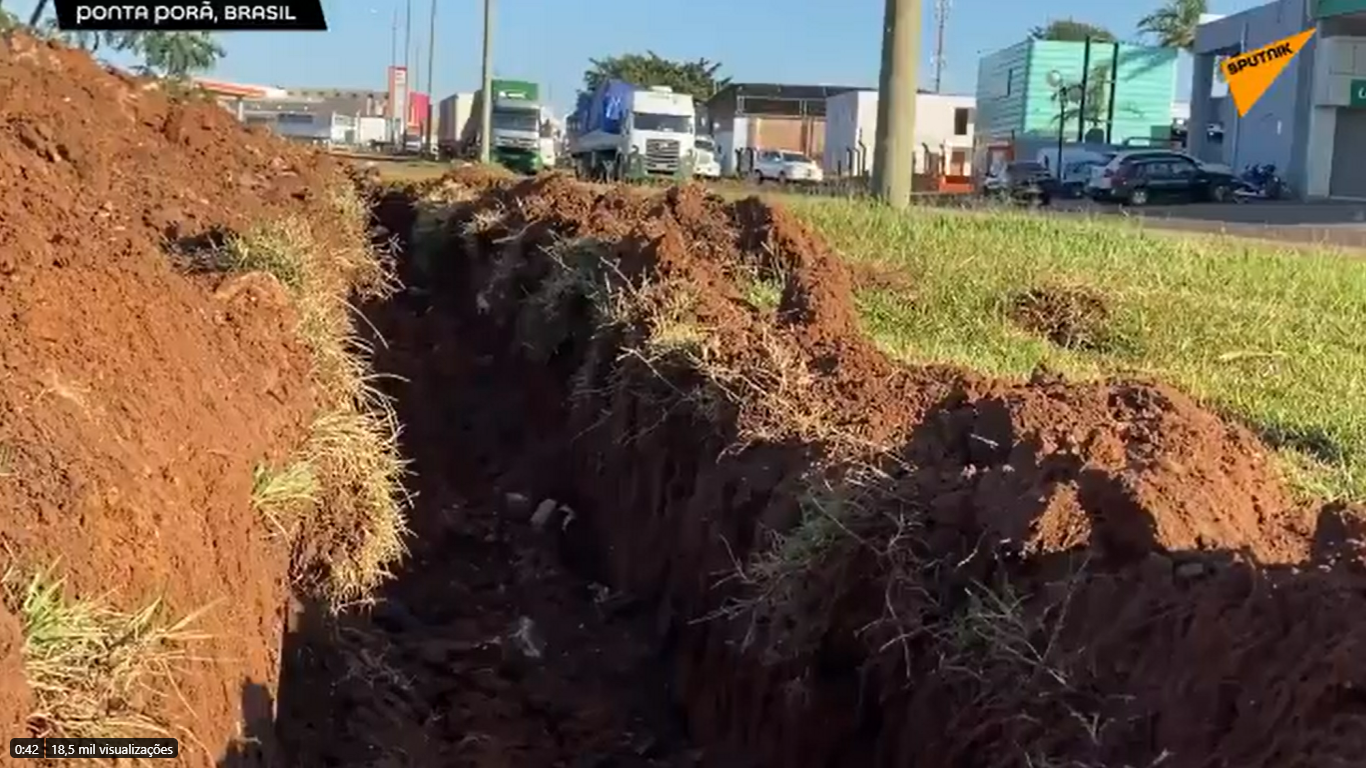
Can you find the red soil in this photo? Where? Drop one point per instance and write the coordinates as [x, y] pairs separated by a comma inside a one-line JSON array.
[[1170, 599], [137, 400]]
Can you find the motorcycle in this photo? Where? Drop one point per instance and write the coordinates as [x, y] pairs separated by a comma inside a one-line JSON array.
[[1260, 182]]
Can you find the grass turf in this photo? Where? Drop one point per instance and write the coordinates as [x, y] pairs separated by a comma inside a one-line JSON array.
[[1268, 335]]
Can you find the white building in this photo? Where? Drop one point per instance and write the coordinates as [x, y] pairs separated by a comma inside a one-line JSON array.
[[1311, 121], [943, 133]]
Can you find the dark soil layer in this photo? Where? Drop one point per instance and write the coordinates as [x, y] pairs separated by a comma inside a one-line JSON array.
[[135, 401], [482, 651], [1037, 574]]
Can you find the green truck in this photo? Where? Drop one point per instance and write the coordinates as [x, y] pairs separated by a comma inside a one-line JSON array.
[[517, 119]]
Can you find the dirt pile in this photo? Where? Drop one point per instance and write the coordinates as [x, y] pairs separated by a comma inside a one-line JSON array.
[[861, 563], [140, 402]]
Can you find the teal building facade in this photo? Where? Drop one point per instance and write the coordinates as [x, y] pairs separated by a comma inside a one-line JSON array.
[[1017, 100]]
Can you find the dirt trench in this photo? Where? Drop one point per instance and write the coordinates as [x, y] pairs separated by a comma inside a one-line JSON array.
[[782, 549]]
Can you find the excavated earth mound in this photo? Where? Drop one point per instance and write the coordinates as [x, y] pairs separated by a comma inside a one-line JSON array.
[[137, 399], [858, 562]]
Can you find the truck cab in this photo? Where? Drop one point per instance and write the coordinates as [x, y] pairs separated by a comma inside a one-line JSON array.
[[625, 131], [516, 136], [660, 129]]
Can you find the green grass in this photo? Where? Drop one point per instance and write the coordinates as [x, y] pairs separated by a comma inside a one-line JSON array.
[[1272, 336], [92, 669]]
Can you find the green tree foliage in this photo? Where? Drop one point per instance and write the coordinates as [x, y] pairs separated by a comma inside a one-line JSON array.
[[175, 55], [178, 54], [1071, 30], [696, 78], [8, 20], [1173, 25]]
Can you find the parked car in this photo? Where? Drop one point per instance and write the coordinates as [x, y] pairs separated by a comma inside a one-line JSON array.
[[1023, 181], [784, 166], [1147, 176], [1101, 179]]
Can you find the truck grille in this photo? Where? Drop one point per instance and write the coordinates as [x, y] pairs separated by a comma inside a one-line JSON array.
[[661, 154], [516, 142]]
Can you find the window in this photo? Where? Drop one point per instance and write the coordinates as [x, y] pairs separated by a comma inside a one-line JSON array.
[[1182, 168], [960, 121], [648, 121], [515, 120], [1010, 80], [795, 157]]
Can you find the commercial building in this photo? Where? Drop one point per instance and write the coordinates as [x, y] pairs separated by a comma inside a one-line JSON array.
[[313, 122], [944, 126], [744, 117], [1098, 92], [1311, 121]]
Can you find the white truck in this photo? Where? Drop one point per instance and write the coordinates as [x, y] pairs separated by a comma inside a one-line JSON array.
[[623, 131]]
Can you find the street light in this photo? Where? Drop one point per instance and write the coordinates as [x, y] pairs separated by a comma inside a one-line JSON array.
[[1063, 92]]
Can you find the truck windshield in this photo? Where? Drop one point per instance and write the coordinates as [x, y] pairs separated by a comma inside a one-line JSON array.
[[647, 121], [516, 120]]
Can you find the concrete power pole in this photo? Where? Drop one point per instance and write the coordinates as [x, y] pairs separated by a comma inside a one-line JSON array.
[[431, 89], [407, 74], [941, 20], [894, 156], [486, 89]]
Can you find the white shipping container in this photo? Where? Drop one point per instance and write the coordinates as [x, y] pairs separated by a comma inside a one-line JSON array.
[[455, 118], [370, 129]]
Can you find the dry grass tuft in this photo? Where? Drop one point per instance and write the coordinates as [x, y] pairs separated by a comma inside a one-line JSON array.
[[343, 498], [355, 533], [95, 672]]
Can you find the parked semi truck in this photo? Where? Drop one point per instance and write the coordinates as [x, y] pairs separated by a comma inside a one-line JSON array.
[[624, 131], [457, 125], [517, 119], [516, 140]]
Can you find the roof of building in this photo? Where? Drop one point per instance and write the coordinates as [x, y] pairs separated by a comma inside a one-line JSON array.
[[783, 91], [224, 88]]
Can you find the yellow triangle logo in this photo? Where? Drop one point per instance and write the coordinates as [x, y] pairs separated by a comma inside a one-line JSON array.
[[1250, 74]]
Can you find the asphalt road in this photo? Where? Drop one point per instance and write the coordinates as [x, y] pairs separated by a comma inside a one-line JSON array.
[[1341, 224]]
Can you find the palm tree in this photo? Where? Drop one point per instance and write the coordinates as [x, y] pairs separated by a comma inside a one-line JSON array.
[[1174, 24]]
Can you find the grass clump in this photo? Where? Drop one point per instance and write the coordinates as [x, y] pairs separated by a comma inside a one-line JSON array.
[[95, 672], [342, 496], [1265, 334]]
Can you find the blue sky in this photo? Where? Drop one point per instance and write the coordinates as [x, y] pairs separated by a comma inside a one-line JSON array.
[[550, 41]]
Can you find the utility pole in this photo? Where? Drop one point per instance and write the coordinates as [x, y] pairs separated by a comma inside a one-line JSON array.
[[486, 88], [393, 40], [894, 156], [941, 20], [407, 73], [431, 91]]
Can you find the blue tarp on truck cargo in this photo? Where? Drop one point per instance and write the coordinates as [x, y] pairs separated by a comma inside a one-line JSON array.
[[607, 107]]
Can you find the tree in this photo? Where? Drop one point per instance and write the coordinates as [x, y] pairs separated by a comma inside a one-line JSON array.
[[1096, 113], [696, 78], [166, 54], [8, 20], [1071, 30], [1174, 23], [178, 54]]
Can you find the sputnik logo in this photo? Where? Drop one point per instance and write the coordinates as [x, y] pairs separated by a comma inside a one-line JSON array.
[[1250, 74]]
